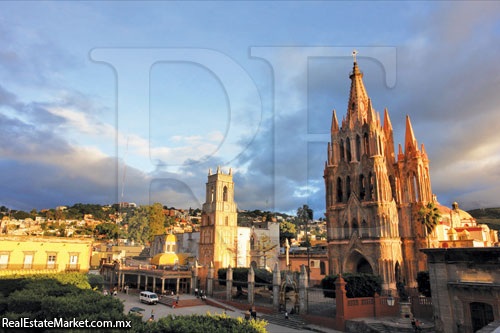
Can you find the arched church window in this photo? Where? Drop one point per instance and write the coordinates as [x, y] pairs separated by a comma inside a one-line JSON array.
[[224, 194], [212, 195], [252, 243], [415, 191], [364, 229], [362, 187], [346, 230], [367, 144], [348, 149], [348, 187], [226, 222], [358, 148], [342, 152], [339, 189]]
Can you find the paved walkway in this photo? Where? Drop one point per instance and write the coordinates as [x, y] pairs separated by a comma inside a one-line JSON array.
[[160, 310]]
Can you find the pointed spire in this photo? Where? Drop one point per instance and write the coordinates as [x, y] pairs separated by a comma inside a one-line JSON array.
[[209, 171], [387, 122], [423, 149], [218, 169], [410, 141], [343, 121], [371, 112], [358, 98], [335, 123], [378, 120], [400, 150], [230, 171]]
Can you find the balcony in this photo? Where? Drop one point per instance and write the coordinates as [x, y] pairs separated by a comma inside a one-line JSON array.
[[73, 268]]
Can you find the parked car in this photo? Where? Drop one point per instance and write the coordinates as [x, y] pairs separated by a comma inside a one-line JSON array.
[[148, 297]]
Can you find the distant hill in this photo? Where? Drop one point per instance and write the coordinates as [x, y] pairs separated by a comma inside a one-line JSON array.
[[489, 216]]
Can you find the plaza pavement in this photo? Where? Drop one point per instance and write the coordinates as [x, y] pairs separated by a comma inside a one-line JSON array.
[[160, 310]]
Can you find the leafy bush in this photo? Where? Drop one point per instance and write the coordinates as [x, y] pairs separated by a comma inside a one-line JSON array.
[[357, 285], [96, 281], [424, 284], [204, 323]]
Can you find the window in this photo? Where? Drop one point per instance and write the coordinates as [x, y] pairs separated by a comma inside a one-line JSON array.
[[4, 261], [367, 144], [224, 195], [358, 148], [342, 152], [73, 261], [28, 261], [348, 149], [227, 221], [339, 190], [212, 195], [322, 268], [362, 187], [51, 261]]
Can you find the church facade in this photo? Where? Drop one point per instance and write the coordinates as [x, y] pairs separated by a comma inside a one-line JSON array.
[[373, 195]]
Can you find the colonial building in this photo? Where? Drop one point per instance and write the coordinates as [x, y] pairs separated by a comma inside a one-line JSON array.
[[24, 255], [219, 222], [373, 195]]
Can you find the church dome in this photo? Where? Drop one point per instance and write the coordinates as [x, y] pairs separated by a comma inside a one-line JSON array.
[[165, 259]]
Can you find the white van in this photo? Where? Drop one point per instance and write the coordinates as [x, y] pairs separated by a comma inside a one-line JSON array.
[[148, 297]]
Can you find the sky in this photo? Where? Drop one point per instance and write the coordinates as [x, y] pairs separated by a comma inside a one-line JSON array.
[[111, 101]]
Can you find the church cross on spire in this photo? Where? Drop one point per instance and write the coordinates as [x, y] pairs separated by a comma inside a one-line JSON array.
[[354, 52]]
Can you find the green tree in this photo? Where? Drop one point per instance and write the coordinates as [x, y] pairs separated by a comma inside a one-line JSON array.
[[304, 216], [21, 215], [287, 231], [108, 230], [429, 217], [138, 225], [156, 220]]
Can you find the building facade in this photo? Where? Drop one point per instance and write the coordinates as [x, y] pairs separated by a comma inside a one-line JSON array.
[[465, 287], [219, 222], [35, 255], [373, 195]]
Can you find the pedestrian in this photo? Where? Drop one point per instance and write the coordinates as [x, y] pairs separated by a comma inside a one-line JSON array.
[[247, 315], [177, 299], [286, 314], [254, 313], [417, 326], [196, 292], [414, 325], [115, 293], [126, 289]]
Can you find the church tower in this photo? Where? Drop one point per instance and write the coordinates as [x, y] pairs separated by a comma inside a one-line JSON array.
[[372, 199], [218, 230]]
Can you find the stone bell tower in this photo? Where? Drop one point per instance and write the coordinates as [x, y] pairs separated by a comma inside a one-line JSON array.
[[218, 230]]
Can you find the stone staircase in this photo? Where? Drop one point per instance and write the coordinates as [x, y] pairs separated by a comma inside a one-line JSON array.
[[278, 318], [183, 303]]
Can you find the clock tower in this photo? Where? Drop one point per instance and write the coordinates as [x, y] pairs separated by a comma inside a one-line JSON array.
[[218, 230]]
